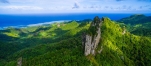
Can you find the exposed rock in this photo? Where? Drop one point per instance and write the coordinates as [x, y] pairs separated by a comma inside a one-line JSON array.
[[122, 57], [100, 49], [58, 25], [124, 30], [19, 61], [63, 24], [92, 37]]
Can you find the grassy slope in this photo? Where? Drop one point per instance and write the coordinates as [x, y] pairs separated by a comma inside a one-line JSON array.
[[122, 49], [62, 34], [118, 49], [136, 19], [137, 24], [142, 29]]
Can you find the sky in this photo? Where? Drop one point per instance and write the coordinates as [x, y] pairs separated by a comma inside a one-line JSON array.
[[74, 6]]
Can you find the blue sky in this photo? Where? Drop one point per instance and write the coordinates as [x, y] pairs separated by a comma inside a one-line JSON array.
[[74, 6]]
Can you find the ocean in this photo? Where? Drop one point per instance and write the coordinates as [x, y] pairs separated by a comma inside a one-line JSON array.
[[23, 20]]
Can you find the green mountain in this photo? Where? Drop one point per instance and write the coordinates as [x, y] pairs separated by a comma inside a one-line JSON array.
[[136, 19], [61, 44], [137, 24]]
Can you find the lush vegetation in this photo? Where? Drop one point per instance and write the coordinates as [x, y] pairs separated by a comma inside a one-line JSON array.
[[137, 24], [58, 40], [122, 49], [135, 19], [60, 44], [94, 26]]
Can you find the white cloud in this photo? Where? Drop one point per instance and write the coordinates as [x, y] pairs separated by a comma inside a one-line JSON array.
[[23, 8], [65, 6]]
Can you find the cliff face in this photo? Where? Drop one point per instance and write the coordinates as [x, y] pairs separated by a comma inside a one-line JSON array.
[[92, 37]]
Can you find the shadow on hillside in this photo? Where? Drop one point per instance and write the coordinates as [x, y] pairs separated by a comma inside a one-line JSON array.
[[6, 38]]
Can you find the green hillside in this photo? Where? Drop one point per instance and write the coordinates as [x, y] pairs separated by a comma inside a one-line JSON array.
[[136, 19], [137, 24], [60, 44], [120, 49]]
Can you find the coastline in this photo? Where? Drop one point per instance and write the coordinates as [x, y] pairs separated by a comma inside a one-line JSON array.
[[36, 24]]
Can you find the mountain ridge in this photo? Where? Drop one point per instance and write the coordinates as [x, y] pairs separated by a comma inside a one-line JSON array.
[[114, 49], [136, 19]]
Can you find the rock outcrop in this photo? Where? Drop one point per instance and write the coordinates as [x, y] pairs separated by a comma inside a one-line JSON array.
[[19, 62], [92, 37]]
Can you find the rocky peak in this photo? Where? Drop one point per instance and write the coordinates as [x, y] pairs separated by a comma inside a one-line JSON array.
[[92, 37], [19, 62]]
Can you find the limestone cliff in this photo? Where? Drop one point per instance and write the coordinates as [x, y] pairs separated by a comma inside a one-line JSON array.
[[92, 37]]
